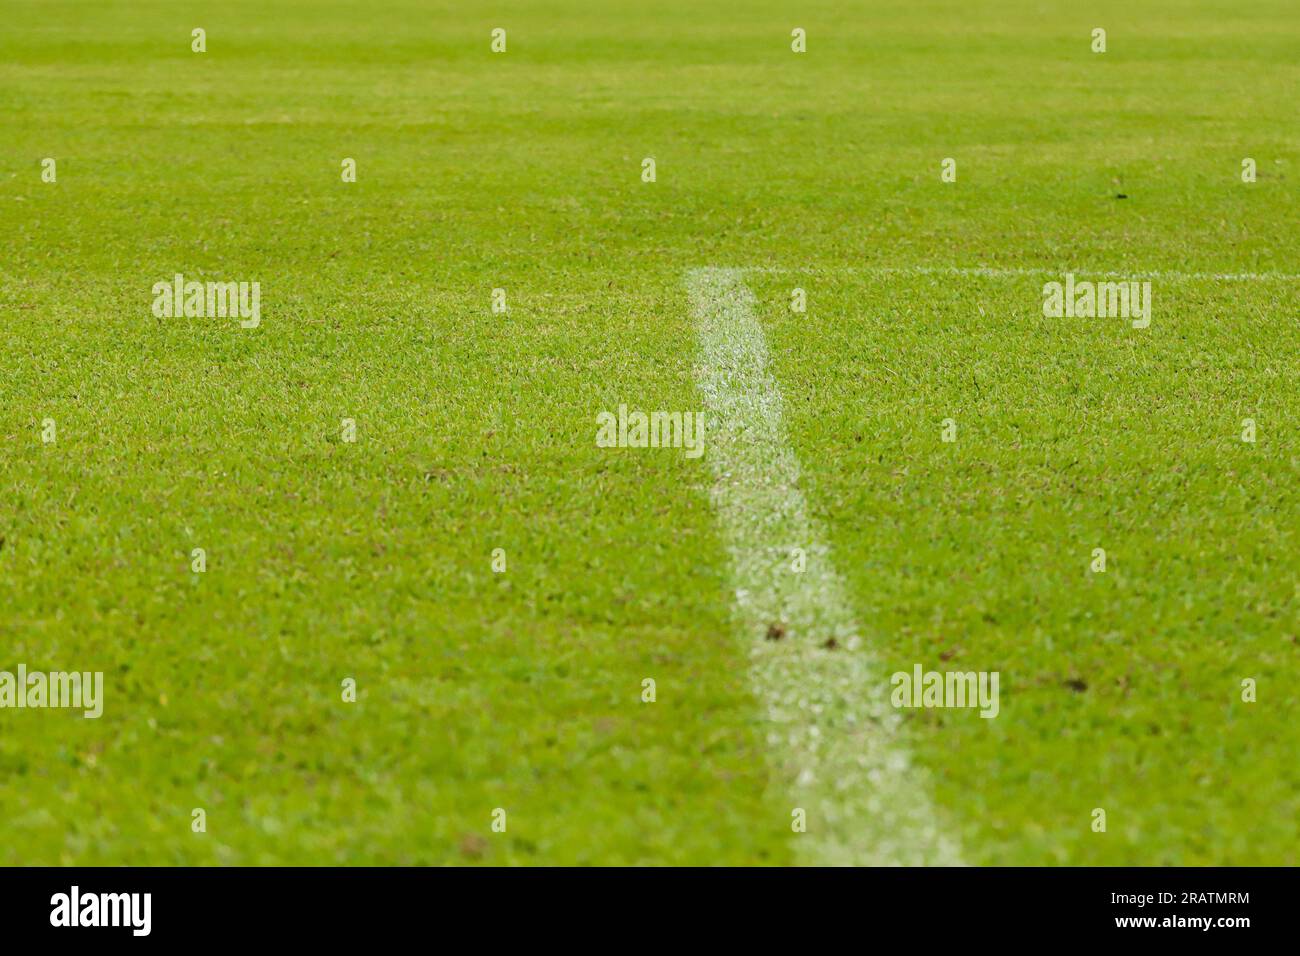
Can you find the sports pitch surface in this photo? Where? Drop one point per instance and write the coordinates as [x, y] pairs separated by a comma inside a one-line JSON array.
[[373, 560]]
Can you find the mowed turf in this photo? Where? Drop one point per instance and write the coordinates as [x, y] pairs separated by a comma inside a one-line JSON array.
[[521, 171], [1119, 690]]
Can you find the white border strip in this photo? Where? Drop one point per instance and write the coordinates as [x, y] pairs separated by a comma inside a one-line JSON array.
[[835, 737]]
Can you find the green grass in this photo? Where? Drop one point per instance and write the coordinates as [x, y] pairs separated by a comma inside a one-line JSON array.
[[1119, 690], [475, 431]]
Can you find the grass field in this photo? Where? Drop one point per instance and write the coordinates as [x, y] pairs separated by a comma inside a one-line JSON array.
[[372, 560]]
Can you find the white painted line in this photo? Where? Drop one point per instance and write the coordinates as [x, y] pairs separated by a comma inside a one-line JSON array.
[[834, 735], [995, 272]]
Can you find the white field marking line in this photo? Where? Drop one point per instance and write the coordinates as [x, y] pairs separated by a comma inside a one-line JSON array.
[[834, 735], [994, 272]]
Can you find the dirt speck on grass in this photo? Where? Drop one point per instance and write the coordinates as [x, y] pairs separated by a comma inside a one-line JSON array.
[[605, 726], [473, 846]]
